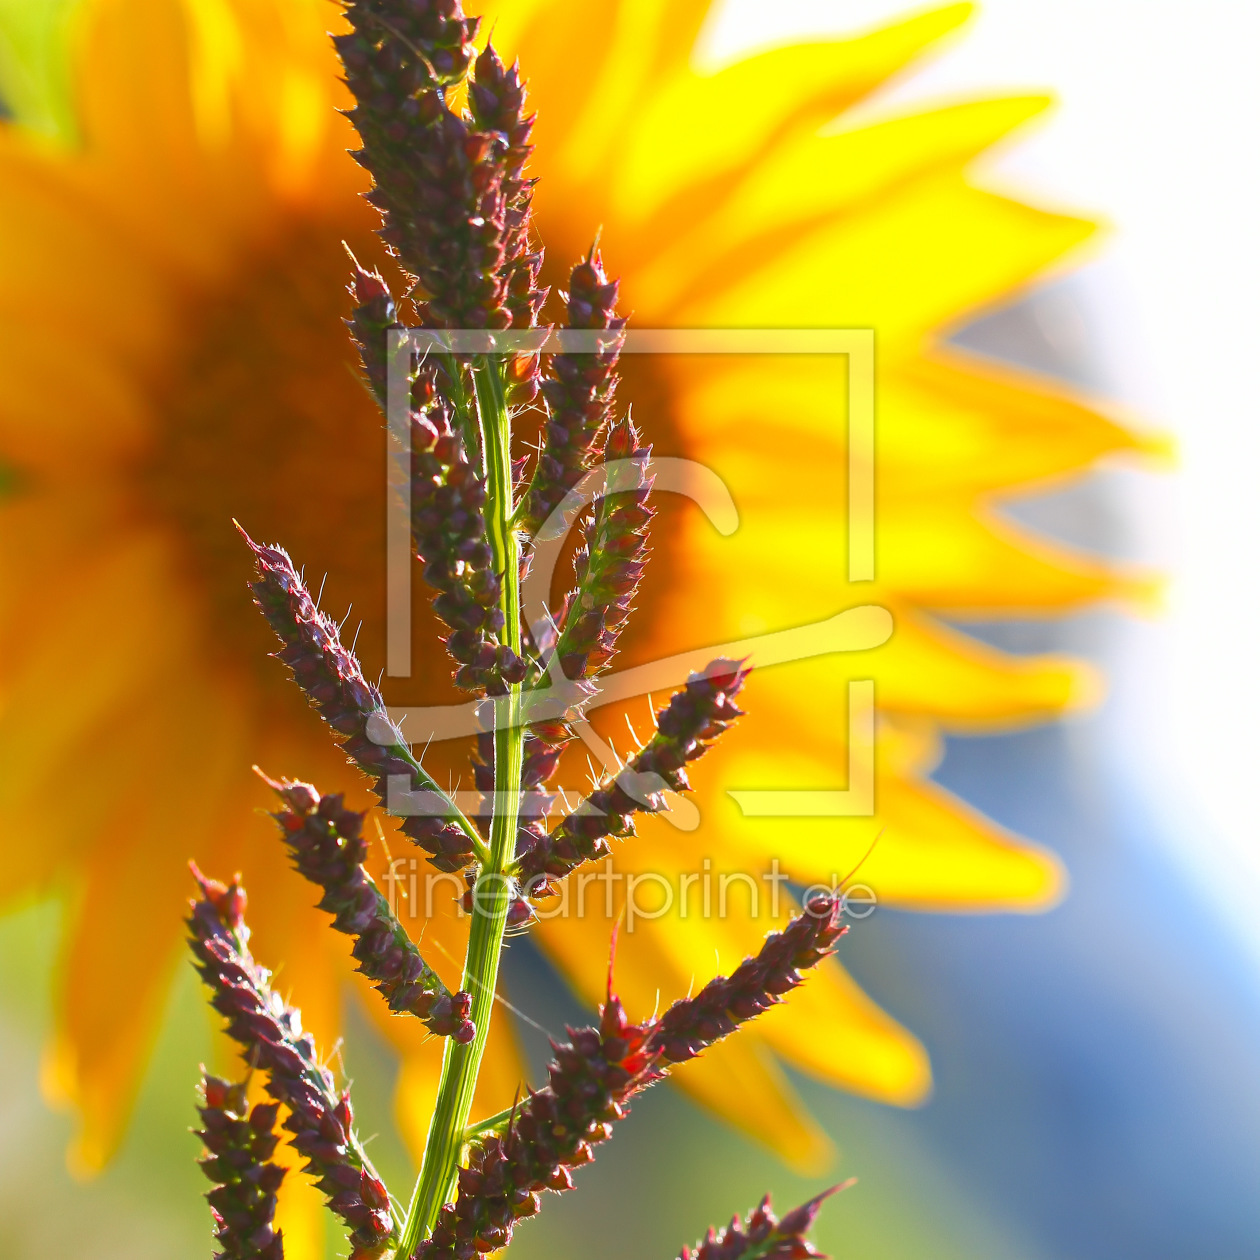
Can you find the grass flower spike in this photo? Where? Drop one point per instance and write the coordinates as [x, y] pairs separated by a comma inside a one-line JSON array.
[[591, 1081], [610, 562], [326, 841], [438, 180], [452, 542], [692, 1024], [763, 1236], [580, 393], [270, 1035], [239, 1142], [329, 676], [552, 1134]]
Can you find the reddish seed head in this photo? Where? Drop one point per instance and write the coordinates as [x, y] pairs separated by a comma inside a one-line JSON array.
[[762, 1235], [220, 1092], [622, 442], [268, 1032], [366, 286], [344, 1113], [228, 900], [519, 913], [243, 1201], [301, 796], [588, 276]]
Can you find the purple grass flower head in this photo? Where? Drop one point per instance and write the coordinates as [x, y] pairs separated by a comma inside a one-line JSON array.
[[763, 1236], [438, 178], [269, 1032], [239, 1143], [686, 727], [496, 98], [758, 983], [374, 317], [610, 561], [449, 532], [580, 392], [326, 842], [551, 1133], [329, 675]]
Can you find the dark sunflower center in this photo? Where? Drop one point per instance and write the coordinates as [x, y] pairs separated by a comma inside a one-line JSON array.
[[266, 422]]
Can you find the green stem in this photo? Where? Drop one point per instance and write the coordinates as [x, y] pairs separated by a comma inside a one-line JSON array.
[[497, 1121], [491, 896], [465, 413]]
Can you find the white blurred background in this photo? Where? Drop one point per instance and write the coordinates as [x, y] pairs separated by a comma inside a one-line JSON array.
[[1158, 134]]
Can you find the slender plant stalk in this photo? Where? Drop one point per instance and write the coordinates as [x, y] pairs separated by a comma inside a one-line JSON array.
[[492, 894]]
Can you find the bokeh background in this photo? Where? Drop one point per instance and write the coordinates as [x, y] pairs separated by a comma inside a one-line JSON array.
[[1097, 1067]]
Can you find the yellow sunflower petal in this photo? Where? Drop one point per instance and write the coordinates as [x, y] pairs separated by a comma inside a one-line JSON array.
[[135, 99], [932, 851], [940, 424], [906, 266], [832, 1030], [806, 179], [969, 685], [937, 554], [1017, 428], [107, 663], [697, 126], [768, 1108], [56, 243], [119, 956]]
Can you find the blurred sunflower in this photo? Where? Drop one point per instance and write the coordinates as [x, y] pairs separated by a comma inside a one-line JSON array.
[[175, 271]]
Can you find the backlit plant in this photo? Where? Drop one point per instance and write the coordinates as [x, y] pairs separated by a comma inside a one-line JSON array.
[[451, 185]]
